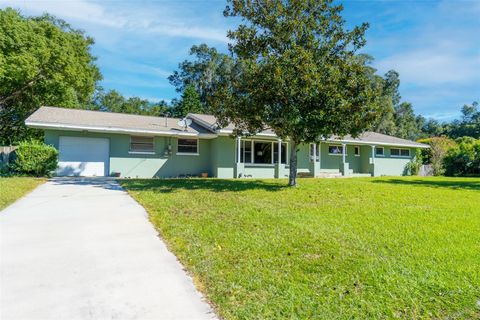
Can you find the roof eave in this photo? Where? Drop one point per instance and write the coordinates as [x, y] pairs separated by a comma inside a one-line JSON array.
[[59, 126], [374, 143]]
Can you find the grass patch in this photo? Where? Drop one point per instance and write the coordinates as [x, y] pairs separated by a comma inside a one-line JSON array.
[[329, 249], [13, 188]]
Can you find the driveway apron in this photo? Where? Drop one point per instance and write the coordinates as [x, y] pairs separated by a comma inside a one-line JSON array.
[[84, 249]]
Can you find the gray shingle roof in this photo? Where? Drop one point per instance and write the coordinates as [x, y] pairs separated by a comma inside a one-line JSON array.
[[379, 138], [367, 137], [77, 118], [211, 122], [53, 117]]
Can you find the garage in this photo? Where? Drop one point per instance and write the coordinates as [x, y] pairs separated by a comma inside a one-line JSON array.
[[81, 156]]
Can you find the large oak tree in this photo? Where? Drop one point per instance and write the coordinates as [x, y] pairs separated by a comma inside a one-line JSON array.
[[43, 61], [297, 72]]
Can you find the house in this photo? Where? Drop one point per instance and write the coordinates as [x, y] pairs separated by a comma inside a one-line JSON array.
[[94, 143]]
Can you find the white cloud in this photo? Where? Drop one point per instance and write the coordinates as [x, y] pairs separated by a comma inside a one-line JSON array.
[[432, 66], [120, 15]]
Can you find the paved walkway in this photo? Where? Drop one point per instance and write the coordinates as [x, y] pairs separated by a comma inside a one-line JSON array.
[[84, 249]]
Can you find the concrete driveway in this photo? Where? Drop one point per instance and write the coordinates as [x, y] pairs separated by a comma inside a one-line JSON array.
[[84, 249]]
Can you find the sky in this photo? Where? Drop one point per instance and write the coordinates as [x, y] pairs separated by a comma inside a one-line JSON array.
[[434, 45]]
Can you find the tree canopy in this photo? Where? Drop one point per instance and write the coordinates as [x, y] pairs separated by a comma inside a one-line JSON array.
[[297, 72], [202, 73], [43, 61]]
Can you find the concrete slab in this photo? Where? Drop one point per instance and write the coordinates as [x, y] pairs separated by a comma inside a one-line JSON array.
[[84, 249]]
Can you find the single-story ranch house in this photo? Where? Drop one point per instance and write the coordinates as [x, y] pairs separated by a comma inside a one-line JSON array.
[[94, 143]]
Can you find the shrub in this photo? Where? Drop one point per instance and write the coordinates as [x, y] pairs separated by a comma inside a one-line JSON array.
[[35, 158], [413, 167], [464, 159], [434, 155]]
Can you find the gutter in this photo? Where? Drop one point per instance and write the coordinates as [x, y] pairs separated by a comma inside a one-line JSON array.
[[57, 126]]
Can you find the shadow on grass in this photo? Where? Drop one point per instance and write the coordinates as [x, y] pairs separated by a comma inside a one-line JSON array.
[[464, 184], [215, 185]]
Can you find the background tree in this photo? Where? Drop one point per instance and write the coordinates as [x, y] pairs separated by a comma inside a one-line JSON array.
[[435, 155], [189, 103], [43, 61], [468, 125], [113, 101], [296, 71], [390, 99], [406, 122], [208, 66]]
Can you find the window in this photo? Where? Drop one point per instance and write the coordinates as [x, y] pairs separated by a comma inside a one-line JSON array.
[[283, 153], [317, 151], [335, 150], [379, 151], [262, 152], [395, 152], [187, 146], [246, 151], [141, 144], [356, 151]]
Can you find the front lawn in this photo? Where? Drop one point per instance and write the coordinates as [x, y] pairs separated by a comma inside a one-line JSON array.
[[329, 249], [13, 188]]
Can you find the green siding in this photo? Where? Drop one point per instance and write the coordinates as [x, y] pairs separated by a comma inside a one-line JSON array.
[[145, 165], [217, 158], [392, 166], [223, 157]]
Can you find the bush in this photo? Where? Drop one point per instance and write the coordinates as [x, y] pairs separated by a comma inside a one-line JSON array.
[[434, 155], [35, 158], [463, 160], [413, 167]]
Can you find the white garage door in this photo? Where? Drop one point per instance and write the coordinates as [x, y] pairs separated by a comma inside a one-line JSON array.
[[79, 156]]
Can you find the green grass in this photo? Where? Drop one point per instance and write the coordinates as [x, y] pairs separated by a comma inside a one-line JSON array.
[[330, 249], [13, 188]]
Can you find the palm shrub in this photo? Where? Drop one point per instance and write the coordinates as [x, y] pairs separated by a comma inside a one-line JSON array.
[[35, 158]]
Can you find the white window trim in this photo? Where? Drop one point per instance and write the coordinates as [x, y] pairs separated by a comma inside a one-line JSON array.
[[252, 156], [189, 153], [130, 151], [141, 152], [380, 155], [319, 145], [400, 156], [359, 151], [336, 154]]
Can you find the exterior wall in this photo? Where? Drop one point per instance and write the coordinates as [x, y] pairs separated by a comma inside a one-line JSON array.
[[217, 157], [223, 157], [136, 165], [333, 163], [392, 166]]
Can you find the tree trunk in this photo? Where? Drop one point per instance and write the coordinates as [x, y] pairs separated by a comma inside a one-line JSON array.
[[292, 178]]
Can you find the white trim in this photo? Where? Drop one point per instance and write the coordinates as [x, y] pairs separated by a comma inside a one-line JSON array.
[[141, 152], [222, 132], [379, 155], [248, 164], [226, 132], [378, 143], [359, 152], [400, 156], [189, 153], [336, 154], [201, 122], [272, 142], [46, 125], [186, 154]]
